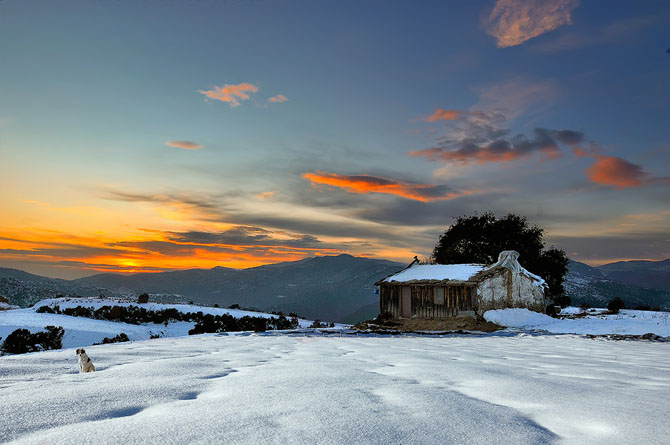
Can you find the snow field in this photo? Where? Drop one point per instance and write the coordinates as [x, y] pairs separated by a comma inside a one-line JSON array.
[[271, 388], [626, 322]]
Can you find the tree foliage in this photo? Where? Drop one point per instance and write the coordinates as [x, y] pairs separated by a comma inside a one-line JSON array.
[[480, 238]]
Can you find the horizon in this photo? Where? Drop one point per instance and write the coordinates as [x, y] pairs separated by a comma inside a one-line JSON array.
[[158, 136]]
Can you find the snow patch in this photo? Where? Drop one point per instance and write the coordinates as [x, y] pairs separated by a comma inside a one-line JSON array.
[[626, 322]]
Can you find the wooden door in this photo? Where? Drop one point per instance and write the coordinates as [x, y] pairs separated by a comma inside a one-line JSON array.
[[406, 303]]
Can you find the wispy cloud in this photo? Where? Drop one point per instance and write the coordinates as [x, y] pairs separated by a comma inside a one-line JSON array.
[[232, 94], [373, 184], [619, 32], [516, 96], [266, 195], [513, 22], [278, 98], [184, 145]]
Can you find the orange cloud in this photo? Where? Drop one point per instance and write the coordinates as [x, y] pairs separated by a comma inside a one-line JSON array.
[[512, 22], [611, 170], [278, 98], [371, 184], [444, 115], [184, 145], [231, 93]]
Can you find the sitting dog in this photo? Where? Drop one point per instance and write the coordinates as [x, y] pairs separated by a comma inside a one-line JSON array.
[[85, 363]]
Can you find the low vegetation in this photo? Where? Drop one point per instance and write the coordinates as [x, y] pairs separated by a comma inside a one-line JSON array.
[[615, 305], [22, 341], [121, 338], [205, 323]]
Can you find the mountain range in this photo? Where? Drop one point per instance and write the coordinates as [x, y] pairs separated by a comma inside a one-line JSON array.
[[334, 288]]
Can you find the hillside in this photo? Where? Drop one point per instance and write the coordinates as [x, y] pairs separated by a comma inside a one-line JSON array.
[[25, 289], [655, 274], [598, 285], [324, 288]]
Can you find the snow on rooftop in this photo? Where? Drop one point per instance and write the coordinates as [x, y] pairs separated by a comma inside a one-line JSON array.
[[456, 272]]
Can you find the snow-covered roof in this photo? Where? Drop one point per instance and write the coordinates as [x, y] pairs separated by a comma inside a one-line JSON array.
[[459, 272], [456, 272]]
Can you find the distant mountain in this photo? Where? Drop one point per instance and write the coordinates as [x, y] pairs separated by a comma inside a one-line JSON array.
[[24, 289], [325, 288], [633, 283], [654, 274]]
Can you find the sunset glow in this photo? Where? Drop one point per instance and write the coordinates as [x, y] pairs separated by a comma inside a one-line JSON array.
[[152, 136]]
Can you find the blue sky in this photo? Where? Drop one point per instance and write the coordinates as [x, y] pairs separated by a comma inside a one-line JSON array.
[[556, 110]]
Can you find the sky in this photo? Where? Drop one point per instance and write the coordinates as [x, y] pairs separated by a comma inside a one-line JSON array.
[[161, 135]]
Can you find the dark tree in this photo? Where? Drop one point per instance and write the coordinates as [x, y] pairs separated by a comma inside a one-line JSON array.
[[480, 238], [142, 299], [615, 305]]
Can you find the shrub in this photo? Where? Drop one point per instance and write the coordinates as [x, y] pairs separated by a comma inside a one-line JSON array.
[[45, 310], [551, 311], [19, 342], [22, 340], [615, 305], [317, 324], [121, 338], [142, 299], [562, 301], [234, 306], [585, 306], [52, 338]]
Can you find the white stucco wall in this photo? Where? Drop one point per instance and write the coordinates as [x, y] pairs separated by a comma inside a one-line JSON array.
[[492, 292]]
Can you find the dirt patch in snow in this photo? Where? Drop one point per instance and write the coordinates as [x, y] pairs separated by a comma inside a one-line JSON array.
[[458, 323]]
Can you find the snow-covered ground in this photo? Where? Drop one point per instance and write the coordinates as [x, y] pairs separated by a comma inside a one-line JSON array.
[[81, 331], [270, 388], [626, 322]]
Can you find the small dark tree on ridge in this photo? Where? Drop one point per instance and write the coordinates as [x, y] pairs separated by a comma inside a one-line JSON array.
[[480, 238]]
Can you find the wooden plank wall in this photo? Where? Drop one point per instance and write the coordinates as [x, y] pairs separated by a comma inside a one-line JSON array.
[[456, 299]]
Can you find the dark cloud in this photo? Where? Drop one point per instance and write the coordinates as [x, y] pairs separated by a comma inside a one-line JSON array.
[[487, 145], [246, 235]]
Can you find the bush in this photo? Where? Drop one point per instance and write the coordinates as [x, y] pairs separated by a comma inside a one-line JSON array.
[[234, 306], [562, 301], [204, 322], [45, 310], [615, 305], [22, 341], [317, 324], [142, 299], [52, 338], [585, 306], [121, 338], [19, 342]]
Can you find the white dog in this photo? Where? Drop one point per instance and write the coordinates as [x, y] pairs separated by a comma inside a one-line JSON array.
[[85, 363]]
